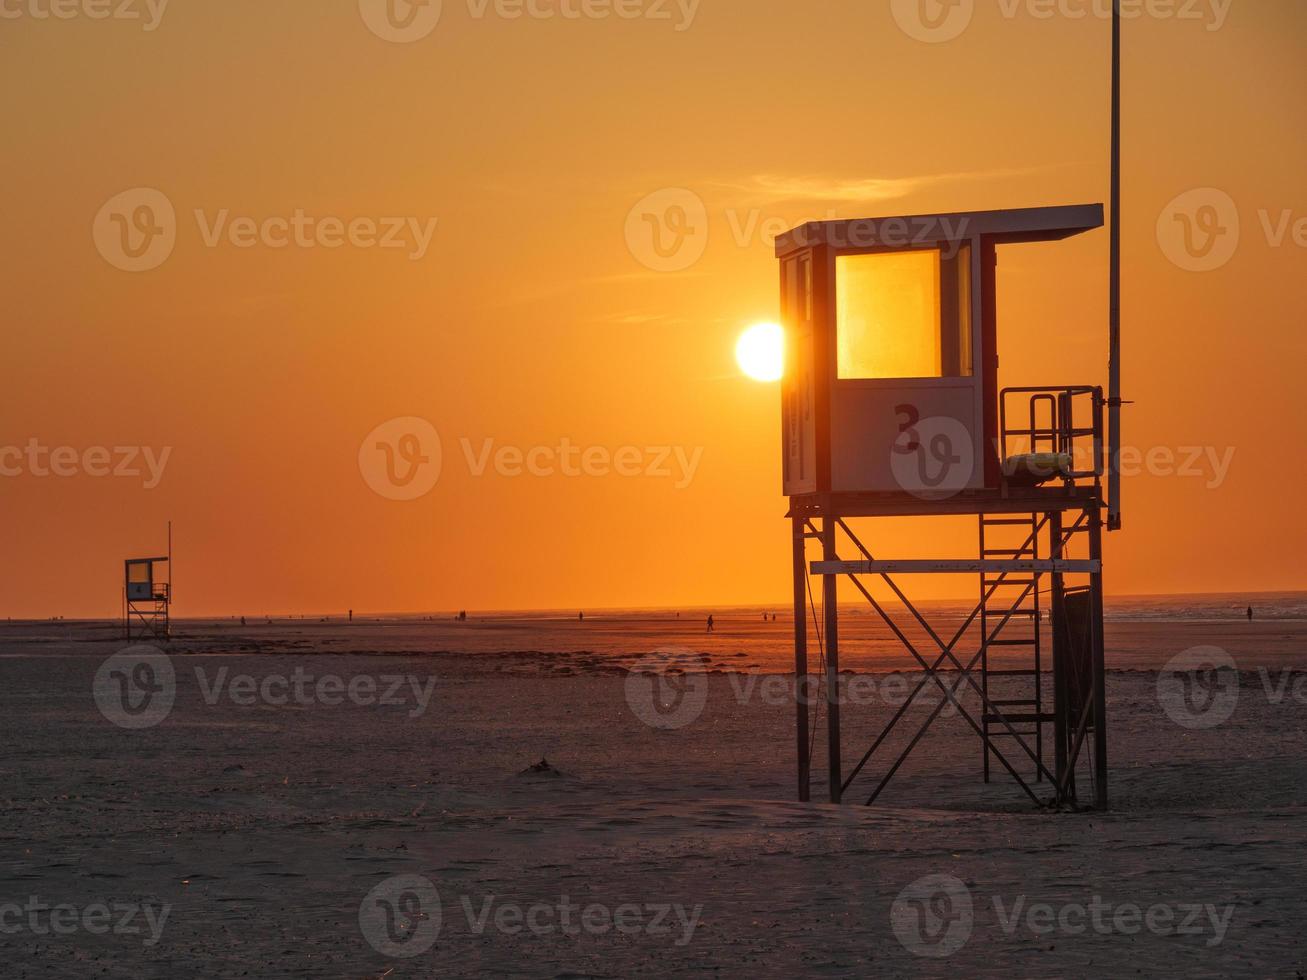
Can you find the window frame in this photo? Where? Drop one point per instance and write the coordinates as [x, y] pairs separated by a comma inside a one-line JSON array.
[[977, 341]]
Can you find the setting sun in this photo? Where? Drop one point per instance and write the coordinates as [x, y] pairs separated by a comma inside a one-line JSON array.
[[760, 352]]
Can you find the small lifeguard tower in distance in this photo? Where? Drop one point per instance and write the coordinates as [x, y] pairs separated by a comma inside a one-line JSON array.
[[891, 409], [147, 596]]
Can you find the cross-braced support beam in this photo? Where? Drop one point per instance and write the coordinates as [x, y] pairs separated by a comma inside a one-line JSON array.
[[960, 671]]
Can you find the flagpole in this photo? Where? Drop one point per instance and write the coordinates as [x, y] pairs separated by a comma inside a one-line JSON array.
[[1114, 290]]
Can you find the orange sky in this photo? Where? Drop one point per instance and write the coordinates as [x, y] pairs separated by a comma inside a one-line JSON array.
[[529, 320]]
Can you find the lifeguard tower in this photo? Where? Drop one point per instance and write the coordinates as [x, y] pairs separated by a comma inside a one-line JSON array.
[[891, 408], [147, 596]]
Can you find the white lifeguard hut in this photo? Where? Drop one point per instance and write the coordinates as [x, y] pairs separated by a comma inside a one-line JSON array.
[[891, 408], [892, 383], [147, 596]]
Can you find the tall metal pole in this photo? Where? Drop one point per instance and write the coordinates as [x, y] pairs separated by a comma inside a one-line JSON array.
[[1114, 299]]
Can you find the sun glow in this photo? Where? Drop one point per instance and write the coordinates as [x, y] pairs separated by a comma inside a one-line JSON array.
[[760, 352]]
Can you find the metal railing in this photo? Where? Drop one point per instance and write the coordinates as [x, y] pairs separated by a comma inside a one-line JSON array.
[[1053, 426]]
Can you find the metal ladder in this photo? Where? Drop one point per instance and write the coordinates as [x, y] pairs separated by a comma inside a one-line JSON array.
[[1025, 714]]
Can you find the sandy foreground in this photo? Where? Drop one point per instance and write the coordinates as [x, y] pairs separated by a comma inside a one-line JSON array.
[[276, 821]]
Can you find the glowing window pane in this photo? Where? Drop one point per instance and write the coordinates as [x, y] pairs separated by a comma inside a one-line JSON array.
[[888, 315], [905, 315]]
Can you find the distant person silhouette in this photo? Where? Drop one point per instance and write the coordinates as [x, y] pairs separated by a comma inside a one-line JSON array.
[[242, 620], [580, 617], [1250, 614], [711, 625]]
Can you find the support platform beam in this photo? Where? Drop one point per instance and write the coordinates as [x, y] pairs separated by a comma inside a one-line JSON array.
[[931, 567]]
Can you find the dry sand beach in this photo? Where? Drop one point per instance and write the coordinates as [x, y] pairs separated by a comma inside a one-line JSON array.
[[241, 832]]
